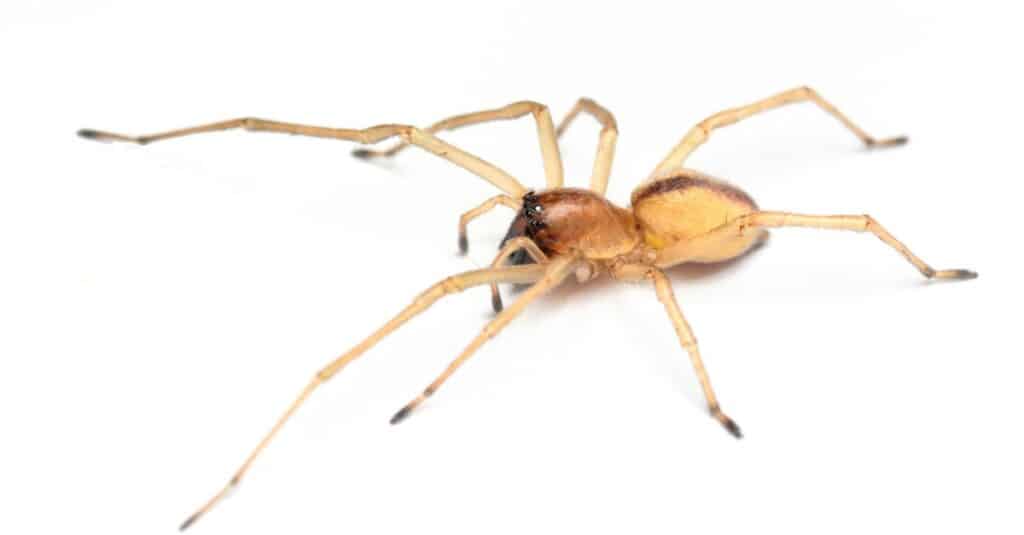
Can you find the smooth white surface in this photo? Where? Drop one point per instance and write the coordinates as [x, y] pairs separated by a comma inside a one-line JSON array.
[[161, 305]]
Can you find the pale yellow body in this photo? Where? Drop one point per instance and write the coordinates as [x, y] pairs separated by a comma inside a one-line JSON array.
[[676, 213]]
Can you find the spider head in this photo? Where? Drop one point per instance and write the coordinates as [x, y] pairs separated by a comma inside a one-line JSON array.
[[526, 223]]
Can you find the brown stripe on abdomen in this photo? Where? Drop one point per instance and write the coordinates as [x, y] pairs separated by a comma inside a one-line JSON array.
[[691, 179]]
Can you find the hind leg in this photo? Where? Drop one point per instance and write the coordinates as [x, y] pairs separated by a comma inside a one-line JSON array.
[[756, 222]]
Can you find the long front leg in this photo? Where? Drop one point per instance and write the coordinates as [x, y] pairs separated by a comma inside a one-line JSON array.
[[555, 272], [457, 283], [553, 170], [700, 133], [409, 134], [605, 143]]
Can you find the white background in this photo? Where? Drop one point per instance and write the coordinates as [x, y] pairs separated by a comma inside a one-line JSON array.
[[160, 306]]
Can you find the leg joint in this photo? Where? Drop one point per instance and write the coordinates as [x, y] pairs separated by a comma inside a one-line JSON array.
[[451, 285], [704, 128], [536, 108], [406, 133]]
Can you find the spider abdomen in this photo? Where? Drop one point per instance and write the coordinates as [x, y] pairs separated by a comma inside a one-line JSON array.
[[674, 211]]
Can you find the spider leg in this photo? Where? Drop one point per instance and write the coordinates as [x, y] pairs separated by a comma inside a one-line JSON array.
[[545, 132], [665, 294], [759, 220], [485, 207], [554, 273], [605, 144], [508, 249], [409, 134], [450, 285], [639, 272], [700, 133]]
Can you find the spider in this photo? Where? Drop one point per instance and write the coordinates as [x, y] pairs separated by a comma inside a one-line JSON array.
[[677, 215]]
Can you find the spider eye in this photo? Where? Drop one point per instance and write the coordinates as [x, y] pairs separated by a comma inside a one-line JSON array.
[[538, 209]]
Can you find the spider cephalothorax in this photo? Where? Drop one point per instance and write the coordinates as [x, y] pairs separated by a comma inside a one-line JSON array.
[[564, 220], [678, 216]]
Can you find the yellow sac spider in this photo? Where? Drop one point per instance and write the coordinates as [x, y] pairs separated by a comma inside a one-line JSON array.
[[676, 216]]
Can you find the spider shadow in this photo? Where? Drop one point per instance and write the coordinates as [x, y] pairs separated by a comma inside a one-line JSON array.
[[384, 163]]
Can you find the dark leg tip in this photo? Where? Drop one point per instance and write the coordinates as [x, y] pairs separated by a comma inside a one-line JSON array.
[[463, 244], [964, 274], [401, 415], [191, 520], [727, 423], [732, 428], [362, 154], [953, 274], [87, 133], [888, 142], [496, 303]]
